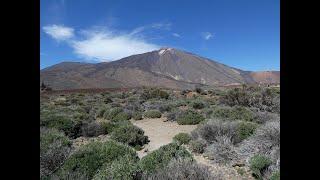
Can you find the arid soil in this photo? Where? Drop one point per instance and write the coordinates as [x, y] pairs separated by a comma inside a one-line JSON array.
[[160, 133]]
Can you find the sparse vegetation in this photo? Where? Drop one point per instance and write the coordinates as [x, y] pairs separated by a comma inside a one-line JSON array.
[[91, 136]]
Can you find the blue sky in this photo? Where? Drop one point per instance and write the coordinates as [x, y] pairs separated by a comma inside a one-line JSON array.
[[240, 33]]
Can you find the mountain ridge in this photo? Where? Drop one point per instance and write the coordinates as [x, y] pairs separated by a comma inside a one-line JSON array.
[[167, 67]]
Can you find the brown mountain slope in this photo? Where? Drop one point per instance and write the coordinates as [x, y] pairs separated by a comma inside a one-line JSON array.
[[166, 67], [270, 77]]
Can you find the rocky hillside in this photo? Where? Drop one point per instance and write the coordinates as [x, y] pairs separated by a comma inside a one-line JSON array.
[[166, 67]]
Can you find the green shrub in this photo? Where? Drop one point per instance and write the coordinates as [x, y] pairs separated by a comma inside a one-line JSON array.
[[63, 123], [154, 93], [236, 96], [137, 115], [197, 105], [234, 113], [54, 150], [108, 127], [101, 112], [275, 176], [161, 157], [246, 129], [123, 168], [197, 146], [112, 113], [92, 129], [107, 100], [258, 164], [189, 117], [91, 157], [182, 138], [183, 169], [121, 116], [129, 134], [152, 114]]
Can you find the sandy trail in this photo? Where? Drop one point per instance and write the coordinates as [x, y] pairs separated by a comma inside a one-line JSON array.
[[160, 133]]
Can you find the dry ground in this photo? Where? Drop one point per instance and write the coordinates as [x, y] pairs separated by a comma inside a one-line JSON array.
[[160, 133]]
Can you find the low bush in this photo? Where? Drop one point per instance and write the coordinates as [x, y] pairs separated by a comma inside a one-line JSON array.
[[275, 176], [161, 157], [182, 138], [258, 164], [54, 150], [189, 117], [112, 113], [183, 169], [213, 129], [121, 116], [197, 146], [123, 168], [108, 126], [222, 150], [246, 129], [173, 116], [129, 134], [234, 113], [92, 129], [154, 93], [152, 114], [101, 112], [91, 157], [63, 123], [137, 115], [197, 105], [236, 96], [265, 140]]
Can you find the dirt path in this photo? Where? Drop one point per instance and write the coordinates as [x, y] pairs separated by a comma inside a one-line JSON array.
[[160, 133]]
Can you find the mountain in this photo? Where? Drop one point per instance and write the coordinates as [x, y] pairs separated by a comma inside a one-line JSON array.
[[166, 67], [269, 77]]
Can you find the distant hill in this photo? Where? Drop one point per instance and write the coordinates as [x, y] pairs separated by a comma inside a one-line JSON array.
[[166, 67]]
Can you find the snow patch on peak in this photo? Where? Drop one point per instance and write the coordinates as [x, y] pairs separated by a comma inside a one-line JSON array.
[[163, 50]]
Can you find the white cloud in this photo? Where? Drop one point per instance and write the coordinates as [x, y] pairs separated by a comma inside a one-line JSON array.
[[59, 32], [104, 45], [176, 35], [207, 35], [166, 26]]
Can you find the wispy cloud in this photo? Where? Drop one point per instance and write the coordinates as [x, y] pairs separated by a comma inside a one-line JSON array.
[[107, 46], [59, 32], [207, 35], [166, 26], [102, 44], [176, 35]]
